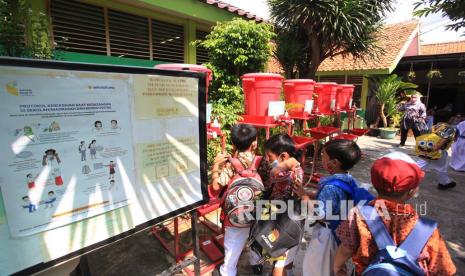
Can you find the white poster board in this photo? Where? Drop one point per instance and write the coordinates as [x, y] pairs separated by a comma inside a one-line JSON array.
[[89, 155]]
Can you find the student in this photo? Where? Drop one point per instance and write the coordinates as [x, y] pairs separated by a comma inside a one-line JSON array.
[[244, 140], [396, 177], [457, 159], [432, 149], [338, 157], [285, 171]]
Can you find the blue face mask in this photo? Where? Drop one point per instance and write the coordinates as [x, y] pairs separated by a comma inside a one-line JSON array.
[[274, 163]]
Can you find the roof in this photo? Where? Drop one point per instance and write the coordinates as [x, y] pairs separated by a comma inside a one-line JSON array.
[[443, 48], [233, 9], [394, 39]]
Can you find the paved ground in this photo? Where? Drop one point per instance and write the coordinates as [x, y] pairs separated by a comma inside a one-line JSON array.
[[141, 254]]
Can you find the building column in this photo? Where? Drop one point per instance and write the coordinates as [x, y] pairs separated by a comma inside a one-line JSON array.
[[190, 51], [364, 94]]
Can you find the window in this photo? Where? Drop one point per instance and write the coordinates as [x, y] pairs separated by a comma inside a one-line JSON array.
[[129, 35], [85, 28], [168, 41], [78, 27], [202, 54]]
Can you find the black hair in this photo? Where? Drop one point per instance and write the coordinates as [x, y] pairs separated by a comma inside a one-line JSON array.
[[345, 151], [113, 121], [51, 192], [280, 143], [242, 136], [97, 122], [24, 197], [29, 174], [51, 150], [441, 116]]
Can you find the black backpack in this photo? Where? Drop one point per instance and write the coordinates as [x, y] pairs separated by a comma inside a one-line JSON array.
[[272, 238]]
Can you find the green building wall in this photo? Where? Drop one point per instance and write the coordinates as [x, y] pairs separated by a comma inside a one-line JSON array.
[[193, 15]]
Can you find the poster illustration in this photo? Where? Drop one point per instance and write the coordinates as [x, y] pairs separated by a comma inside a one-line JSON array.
[[66, 146]]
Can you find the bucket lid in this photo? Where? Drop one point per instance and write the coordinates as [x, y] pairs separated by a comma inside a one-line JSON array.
[[300, 80], [347, 85], [262, 75], [326, 83]]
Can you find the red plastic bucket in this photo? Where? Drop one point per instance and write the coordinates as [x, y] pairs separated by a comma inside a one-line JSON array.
[[326, 96], [344, 96], [296, 92], [188, 67], [259, 90]]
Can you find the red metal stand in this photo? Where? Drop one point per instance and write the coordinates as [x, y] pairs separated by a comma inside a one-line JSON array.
[[266, 122]]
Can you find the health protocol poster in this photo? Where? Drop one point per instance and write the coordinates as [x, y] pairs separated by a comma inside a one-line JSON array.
[[66, 145]]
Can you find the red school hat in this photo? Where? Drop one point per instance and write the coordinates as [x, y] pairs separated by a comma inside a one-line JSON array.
[[396, 172]]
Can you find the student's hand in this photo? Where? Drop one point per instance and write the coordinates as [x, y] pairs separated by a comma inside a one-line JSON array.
[[291, 163], [221, 158], [299, 190]]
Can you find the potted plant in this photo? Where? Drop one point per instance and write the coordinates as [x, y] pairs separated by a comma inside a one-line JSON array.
[[386, 95]]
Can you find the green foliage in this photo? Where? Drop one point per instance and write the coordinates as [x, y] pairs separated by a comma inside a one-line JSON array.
[[329, 28], [23, 33], [290, 50], [234, 48], [237, 47], [386, 94], [454, 9]]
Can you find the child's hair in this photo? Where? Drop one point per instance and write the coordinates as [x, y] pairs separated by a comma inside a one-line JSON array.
[[345, 151], [97, 122], [242, 136], [29, 175], [280, 143], [52, 151], [25, 197], [441, 116], [51, 193], [114, 121]]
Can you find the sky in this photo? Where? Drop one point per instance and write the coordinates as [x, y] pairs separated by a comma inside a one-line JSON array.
[[432, 27]]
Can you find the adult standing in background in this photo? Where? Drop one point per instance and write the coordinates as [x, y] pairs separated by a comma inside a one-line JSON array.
[[414, 118], [457, 160]]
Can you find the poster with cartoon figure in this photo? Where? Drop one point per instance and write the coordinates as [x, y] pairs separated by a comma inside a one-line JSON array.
[[66, 146]]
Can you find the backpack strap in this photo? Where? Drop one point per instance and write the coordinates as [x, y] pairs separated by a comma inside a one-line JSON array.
[[237, 165], [255, 163], [376, 226], [419, 236], [346, 187]]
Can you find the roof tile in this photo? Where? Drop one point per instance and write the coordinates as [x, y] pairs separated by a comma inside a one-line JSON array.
[[391, 38], [443, 48]]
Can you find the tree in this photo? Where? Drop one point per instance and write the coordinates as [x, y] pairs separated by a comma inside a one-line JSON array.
[[331, 28], [234, 48], [454, 9], [386, 92], [23, 33]]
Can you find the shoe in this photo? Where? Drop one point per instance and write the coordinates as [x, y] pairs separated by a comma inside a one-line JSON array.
[[447, 186], [401, 145], [257, 269]]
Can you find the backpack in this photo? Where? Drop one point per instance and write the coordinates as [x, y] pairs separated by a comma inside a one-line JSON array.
[[244, 188], [425, 143], [392, 259], [355, 192], [272, 238]]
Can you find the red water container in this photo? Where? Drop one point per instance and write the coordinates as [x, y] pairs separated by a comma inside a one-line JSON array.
[[188, 67], [297, 92], [326, 100], [259, 90], [344, 96]]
